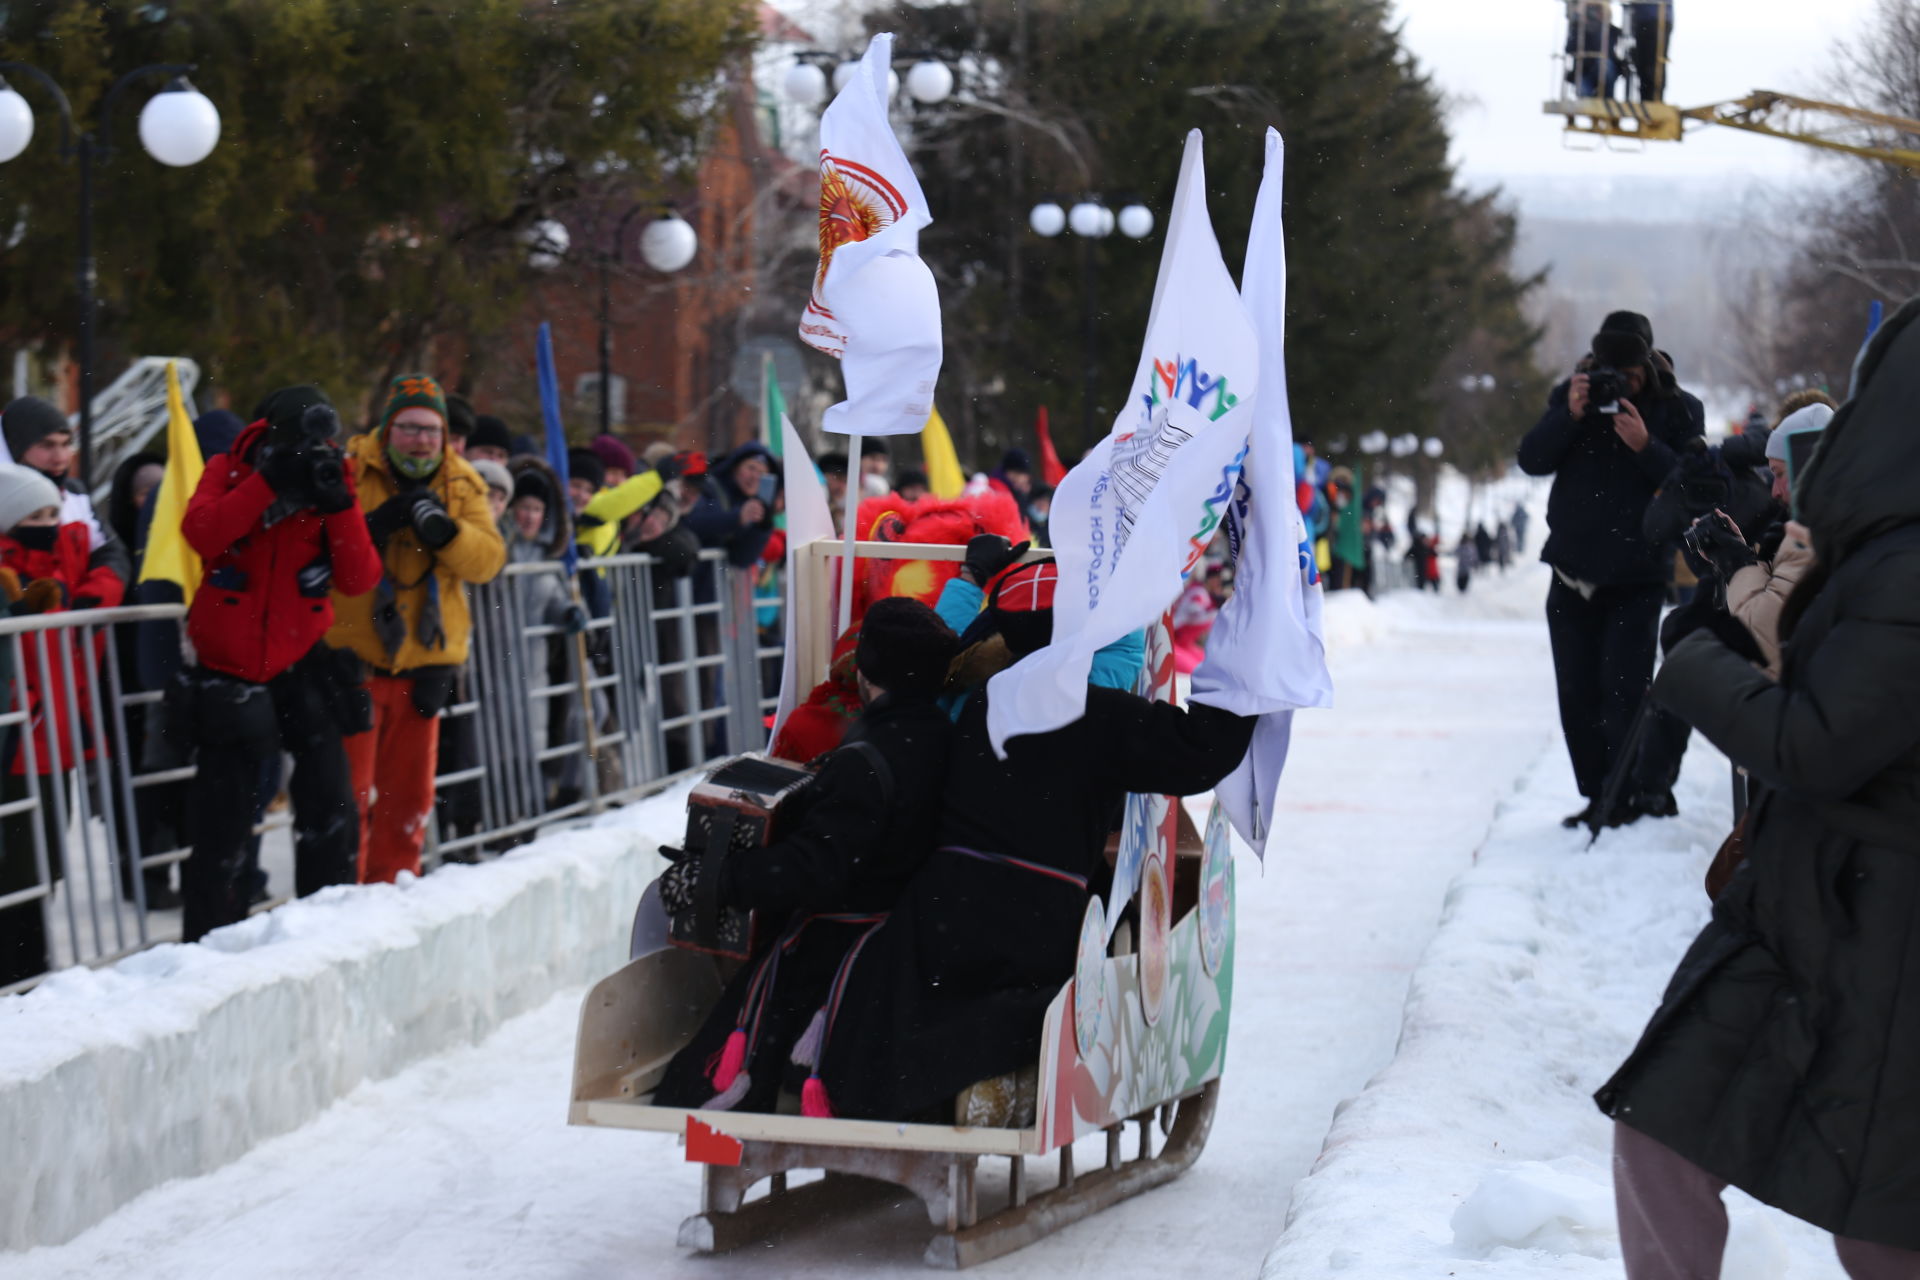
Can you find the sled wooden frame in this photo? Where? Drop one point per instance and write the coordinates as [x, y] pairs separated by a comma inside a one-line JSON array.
[[635, 1020]]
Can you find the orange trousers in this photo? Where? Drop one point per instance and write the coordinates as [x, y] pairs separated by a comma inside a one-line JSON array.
[[393, 765]]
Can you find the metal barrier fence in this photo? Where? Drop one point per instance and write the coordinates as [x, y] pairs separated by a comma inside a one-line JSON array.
[[678, 672]]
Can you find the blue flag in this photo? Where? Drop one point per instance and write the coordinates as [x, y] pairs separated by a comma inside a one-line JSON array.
[[555, 433]]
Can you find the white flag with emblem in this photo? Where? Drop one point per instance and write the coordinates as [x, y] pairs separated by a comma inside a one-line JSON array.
[[873, 304], [1266, 655], [1131, 521]]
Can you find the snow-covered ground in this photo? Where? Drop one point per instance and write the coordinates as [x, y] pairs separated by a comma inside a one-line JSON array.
[[1479, 1151], [464, 1164], [1428, 964]]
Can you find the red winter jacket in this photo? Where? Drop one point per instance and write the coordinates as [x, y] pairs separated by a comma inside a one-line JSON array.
[[249, 618], [67, 563]]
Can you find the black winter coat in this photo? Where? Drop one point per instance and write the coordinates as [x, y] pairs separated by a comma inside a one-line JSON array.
[[954, 987], [1785, 1057], [1601, 487], [854, 841], [715, 518]]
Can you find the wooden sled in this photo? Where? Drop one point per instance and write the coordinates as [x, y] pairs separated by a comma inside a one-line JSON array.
[[1138, 1061]]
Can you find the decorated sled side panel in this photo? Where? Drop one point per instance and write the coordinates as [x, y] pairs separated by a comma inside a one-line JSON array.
[[1130, 1065]]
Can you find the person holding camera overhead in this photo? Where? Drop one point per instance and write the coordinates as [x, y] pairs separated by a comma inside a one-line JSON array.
[[1610, 436], [275, 524], [426, 510]]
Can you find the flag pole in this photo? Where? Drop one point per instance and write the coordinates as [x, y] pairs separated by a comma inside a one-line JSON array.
[[846, 555]]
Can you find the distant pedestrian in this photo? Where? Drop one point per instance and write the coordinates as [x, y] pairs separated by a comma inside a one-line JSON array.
[[1466, 559], [1519, 520]]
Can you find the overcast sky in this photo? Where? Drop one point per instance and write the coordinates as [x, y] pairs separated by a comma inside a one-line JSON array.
[[1496, 56]]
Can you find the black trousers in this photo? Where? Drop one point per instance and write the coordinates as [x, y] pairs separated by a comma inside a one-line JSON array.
[[1602, 663], [214, 884], [25, 948]]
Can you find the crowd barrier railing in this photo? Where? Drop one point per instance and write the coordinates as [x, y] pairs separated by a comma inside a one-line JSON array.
[[543, 726]]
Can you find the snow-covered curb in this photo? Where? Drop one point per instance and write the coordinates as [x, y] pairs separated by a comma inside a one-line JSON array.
[[1478, 1150], [178, 1059]]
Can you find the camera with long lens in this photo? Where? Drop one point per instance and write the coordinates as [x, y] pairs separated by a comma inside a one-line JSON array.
[[431, 523], [1606, 386]]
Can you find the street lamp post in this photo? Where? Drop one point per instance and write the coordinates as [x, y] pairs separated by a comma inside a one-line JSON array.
[[179, 126], [667, 244], [1090, 220]]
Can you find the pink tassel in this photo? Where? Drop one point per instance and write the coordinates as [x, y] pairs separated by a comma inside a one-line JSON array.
[[813, 1100], [806, 1050], [729, 1098], [733, 1059]]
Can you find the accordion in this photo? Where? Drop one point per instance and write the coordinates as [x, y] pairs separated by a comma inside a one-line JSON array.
[[737, 809]]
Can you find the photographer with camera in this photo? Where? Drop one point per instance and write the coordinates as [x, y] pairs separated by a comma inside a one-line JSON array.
[[1609, 439], [275, 522], [426, 510], [1714, 494]]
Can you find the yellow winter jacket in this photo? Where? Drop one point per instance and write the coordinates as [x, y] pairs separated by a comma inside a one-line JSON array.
[[599, 523], [476, 554]]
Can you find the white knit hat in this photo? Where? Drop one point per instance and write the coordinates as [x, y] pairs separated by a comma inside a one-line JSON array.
[[1813, 417], [24, 491]]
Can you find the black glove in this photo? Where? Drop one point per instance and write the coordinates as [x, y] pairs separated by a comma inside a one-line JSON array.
[[990, 554], [574, 620], [390, 517], [287, 471], [677, 884], [670, 468], [431, 523], [1714, 540]]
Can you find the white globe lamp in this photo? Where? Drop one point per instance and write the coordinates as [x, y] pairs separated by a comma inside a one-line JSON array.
[[1136, 221], [547, 242], [179, 126], [1088, 219], [669, 243], [843, 73], [16, 123], [1433, 448], [805, 83], [1047, 219], [929, 82]]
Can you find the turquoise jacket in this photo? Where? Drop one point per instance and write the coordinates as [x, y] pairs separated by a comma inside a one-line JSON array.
[[1115, 667]]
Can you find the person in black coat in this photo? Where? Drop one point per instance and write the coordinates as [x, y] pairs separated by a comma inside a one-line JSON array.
[[1784, 1057], [954, 987], [1603, 609], [735, 508], [1724, 479], [863, 826]]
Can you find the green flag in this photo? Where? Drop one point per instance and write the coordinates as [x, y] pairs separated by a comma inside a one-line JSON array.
[[773, 406]]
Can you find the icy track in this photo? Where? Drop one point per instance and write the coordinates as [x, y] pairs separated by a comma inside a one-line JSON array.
[[463, 1164]]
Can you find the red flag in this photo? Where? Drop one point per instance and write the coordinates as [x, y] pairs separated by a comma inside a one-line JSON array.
[[1052, 470]]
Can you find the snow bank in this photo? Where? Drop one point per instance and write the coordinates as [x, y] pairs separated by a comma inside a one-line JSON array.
[[181, 1058], [1478, 1151]]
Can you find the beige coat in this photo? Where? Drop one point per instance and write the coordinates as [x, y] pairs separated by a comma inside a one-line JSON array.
[[1757, 594]]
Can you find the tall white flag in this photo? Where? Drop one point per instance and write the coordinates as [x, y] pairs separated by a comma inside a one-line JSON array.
[[809, 519], [1133, 518], [873, 304], [1266, 655]]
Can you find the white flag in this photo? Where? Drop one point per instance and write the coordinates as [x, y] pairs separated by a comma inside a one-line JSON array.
[[1266, 655], [809, 519], [873, 304], [1133, 518]]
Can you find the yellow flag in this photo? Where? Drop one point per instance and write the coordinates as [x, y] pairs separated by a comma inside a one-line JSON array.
[[944, 475], [169, 558]]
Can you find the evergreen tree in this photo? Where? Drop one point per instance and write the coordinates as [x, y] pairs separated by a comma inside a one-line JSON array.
[[379, 162], [1389, 267]]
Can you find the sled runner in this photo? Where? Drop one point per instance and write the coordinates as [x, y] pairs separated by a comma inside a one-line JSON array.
[[1132, 1047]]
